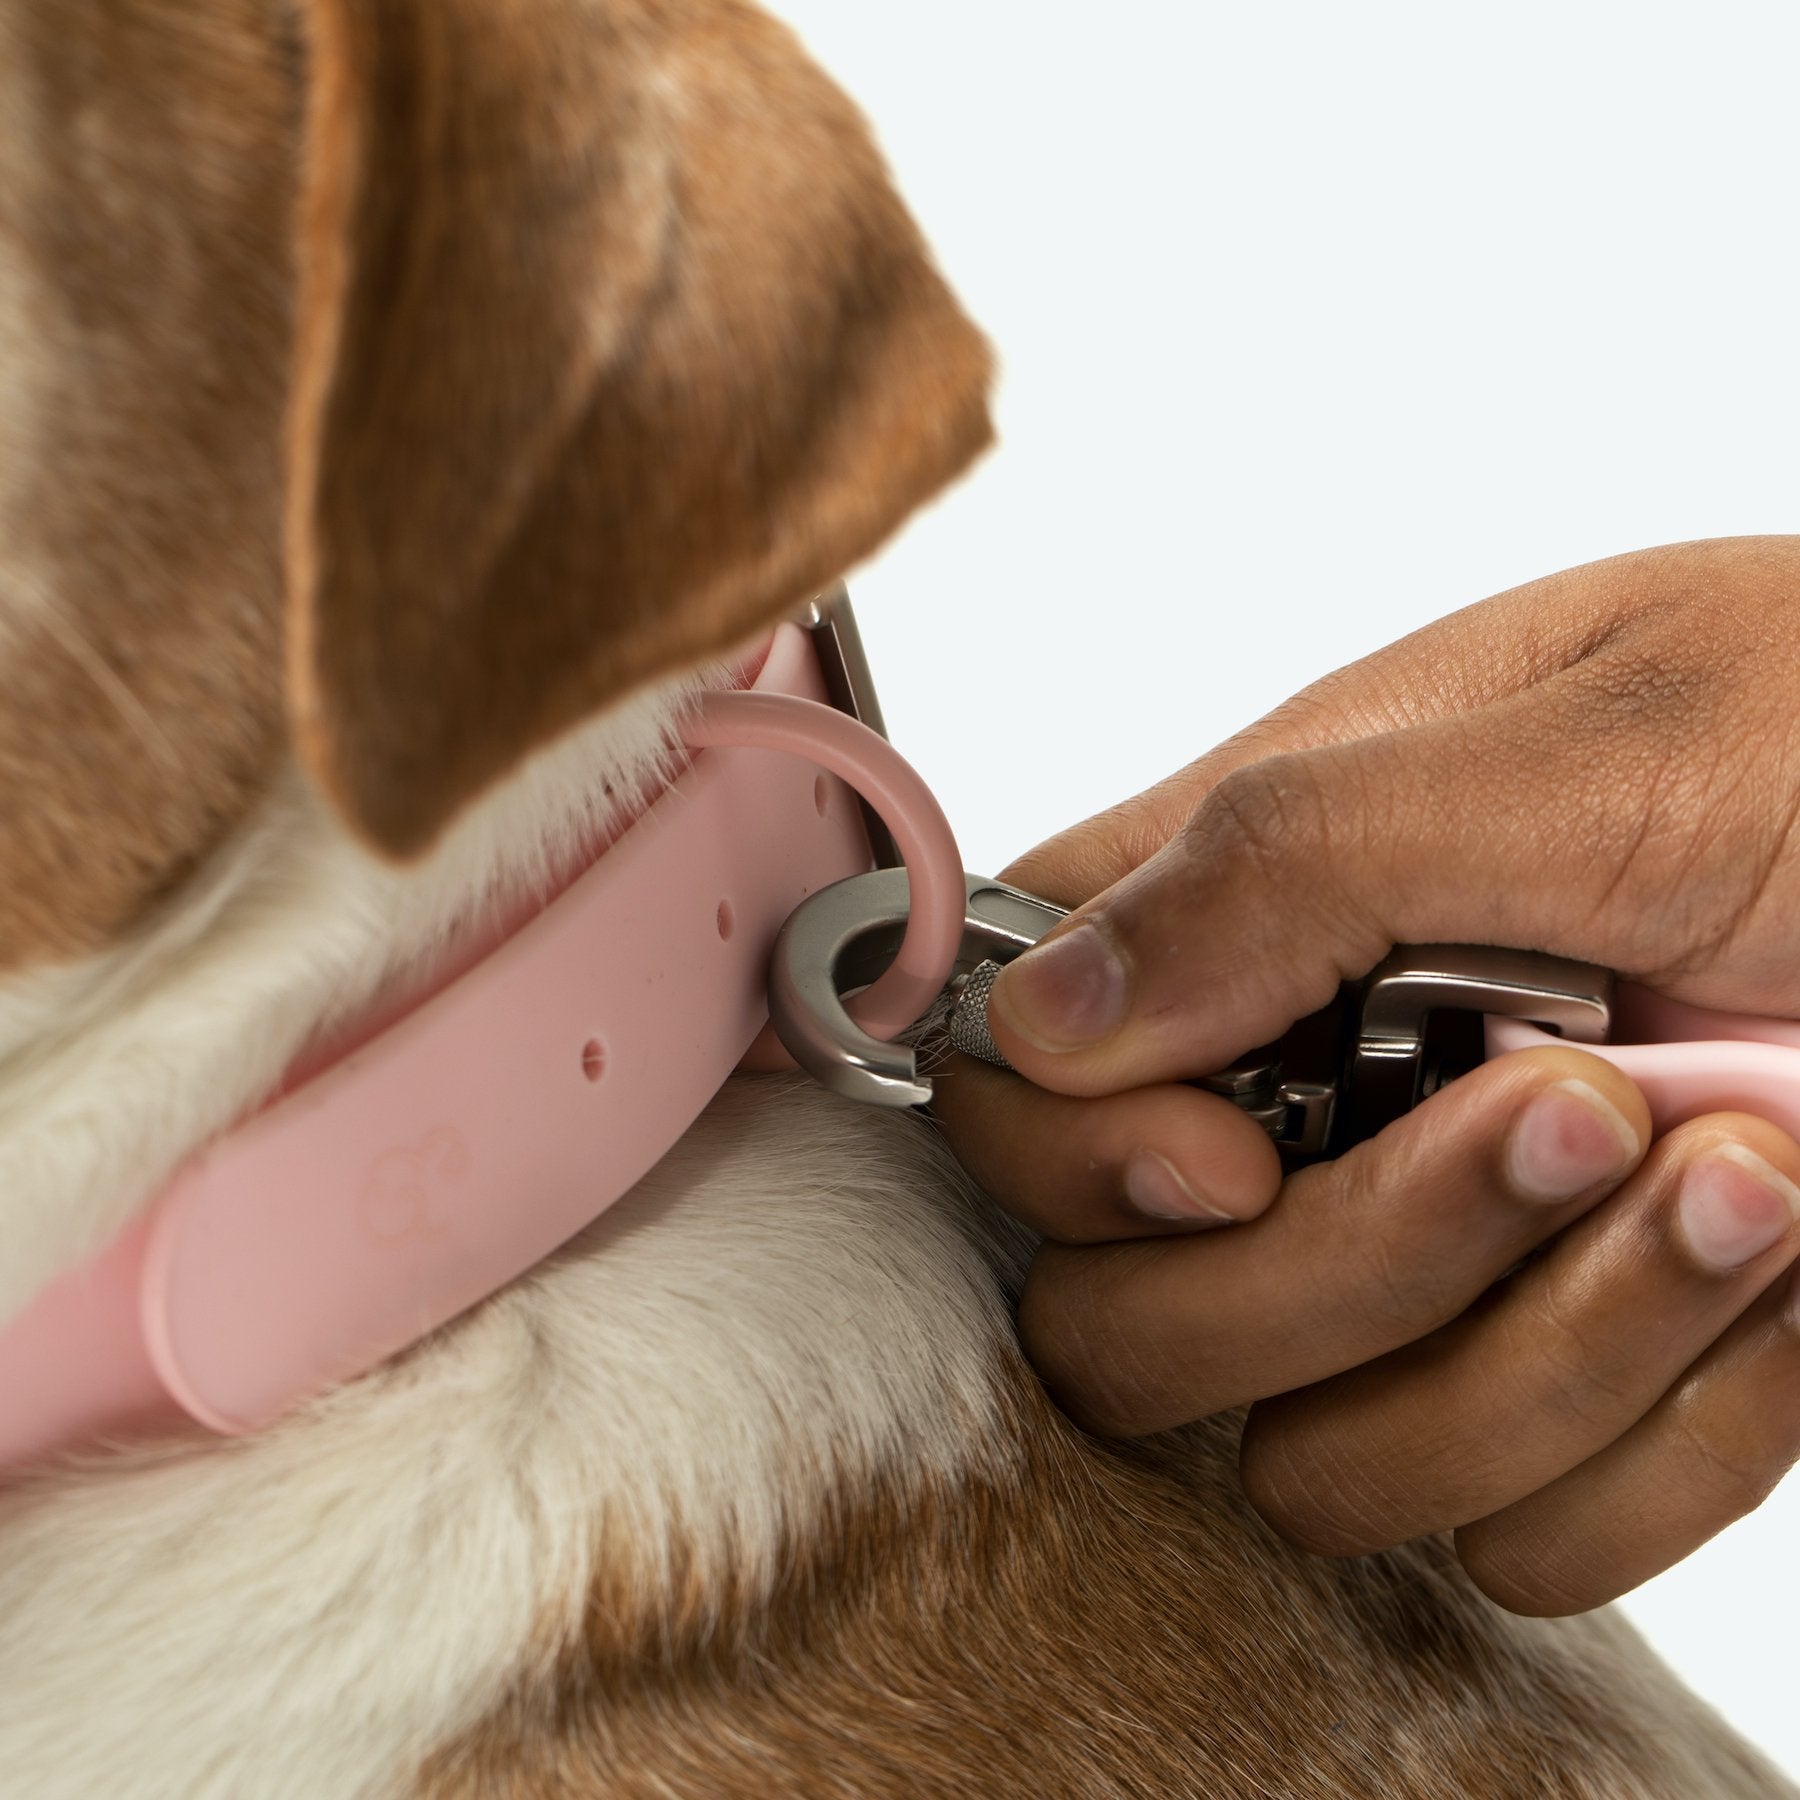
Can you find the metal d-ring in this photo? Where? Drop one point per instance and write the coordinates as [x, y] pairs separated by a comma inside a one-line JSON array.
[[841, 939]]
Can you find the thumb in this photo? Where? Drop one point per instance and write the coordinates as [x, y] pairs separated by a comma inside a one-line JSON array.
[[1302, 869]]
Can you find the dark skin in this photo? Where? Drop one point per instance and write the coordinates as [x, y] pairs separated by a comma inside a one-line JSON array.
[[1512, 1316]]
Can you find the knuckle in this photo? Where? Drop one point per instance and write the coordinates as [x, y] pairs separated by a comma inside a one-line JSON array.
[[1579, 1370], [1270, 815], [1402, 1288], [1310, 1494], [1106, 1376], [1641, 683], [1730, 1478], [1534, 1574], [1405, 1298], [1705, 830]]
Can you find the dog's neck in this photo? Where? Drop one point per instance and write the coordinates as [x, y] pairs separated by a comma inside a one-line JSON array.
[[446, 1147], [798, 1301]]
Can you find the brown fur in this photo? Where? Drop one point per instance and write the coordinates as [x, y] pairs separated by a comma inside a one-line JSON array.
[[1114, 1622], [147, 159], [615, 344]]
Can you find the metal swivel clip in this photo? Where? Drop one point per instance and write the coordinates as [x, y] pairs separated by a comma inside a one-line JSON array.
[[1334, 1078]]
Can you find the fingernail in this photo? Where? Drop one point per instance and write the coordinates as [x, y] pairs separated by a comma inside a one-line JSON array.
[[1065, 994], [1155, 1187], [1734, 1206], [1568, 1139]]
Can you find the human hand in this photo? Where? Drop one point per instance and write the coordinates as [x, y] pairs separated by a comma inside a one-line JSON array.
[[1509, 1315]]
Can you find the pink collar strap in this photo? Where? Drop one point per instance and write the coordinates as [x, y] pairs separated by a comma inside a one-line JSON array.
[[464, 1143]]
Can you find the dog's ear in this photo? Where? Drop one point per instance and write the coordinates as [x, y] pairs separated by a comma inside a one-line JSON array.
[[614, 344]]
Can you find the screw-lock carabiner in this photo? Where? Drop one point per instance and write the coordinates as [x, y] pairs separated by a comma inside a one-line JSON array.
[[1332, 1079]]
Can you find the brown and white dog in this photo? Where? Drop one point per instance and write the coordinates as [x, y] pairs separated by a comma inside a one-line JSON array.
[[402, 402]]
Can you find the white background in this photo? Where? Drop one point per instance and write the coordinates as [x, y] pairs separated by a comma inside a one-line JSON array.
[[1319, 321]]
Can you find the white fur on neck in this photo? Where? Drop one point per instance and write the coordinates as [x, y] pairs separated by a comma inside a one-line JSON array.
[[793, 1300], [800, 1296]]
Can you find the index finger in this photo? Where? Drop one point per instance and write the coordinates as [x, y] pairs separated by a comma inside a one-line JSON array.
[[1529, 823]]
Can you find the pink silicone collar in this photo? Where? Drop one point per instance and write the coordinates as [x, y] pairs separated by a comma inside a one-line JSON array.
[[465, 1142]]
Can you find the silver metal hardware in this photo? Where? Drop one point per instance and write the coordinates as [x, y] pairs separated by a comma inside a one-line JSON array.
[[1335, 1077], [850, 685], [968, 1024], [1400, 1060], [1294, 1110], [841, 939], [1386, 1043], [1290, 1088]]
